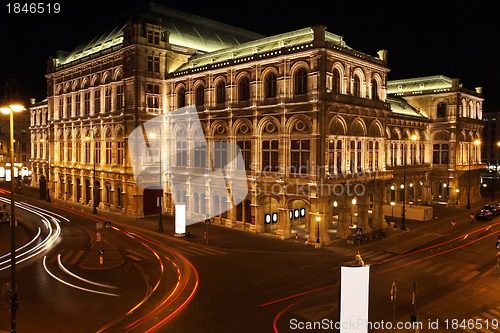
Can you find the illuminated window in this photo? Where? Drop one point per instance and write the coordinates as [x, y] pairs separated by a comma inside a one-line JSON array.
[[299, 156], [270, 155], [153, 95]]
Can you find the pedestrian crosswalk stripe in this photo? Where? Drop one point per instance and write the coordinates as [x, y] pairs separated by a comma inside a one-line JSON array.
[[380, 257], [206, 250], [469, 276], [446, 270], [486, 314], [434, 267], [200, 250], [77, 256], [425, 264], [67, 255], [497, 313]]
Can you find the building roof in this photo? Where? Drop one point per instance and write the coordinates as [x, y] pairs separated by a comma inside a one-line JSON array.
[[400, 106], [187, 30], [414, 85], [260, 46]]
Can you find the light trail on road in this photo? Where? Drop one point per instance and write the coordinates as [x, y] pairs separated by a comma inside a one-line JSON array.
[[463, 237]]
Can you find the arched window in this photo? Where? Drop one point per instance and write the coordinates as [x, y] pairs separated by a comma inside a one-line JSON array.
[[181, 98], [200, 95], [270, 85], [356, 86], [336, 81], [221, 92], [301, 82], [244, 89], [441, 110], [375, 90]]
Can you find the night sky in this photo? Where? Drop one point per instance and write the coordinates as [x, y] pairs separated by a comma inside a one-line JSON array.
[[422, 39]]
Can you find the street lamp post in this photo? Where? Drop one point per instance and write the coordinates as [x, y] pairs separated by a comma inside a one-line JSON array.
[[318, 242], [392, 207], [476, 142], [458, 192], [13, 288], [354, 201]]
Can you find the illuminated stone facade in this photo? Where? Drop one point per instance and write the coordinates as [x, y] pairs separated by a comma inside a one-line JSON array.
[[317, 122]]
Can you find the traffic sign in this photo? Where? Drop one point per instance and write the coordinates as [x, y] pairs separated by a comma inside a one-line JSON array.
[[101, 252], [107, 224]]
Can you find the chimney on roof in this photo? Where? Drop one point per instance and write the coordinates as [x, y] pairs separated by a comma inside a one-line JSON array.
[[319, 35], [455, 83], [382, 54]]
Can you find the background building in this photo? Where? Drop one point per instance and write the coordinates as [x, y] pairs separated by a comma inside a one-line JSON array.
[[327, 139]]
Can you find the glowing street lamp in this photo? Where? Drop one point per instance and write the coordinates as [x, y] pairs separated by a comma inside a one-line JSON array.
[[10, 110], [353, 202], [392, 207]]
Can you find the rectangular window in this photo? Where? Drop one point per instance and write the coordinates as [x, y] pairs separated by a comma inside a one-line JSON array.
[[153, 95], [97, 101], [69, 111], [87, 151], [61, 107], [119, 152], [86, 103], [270, 155], [299, 156], [200, 153], [108, 152], [181, 153], [97, 152], [61, 151], [78, 155], [246, 152], [220, 154], [69, 151], [77, 104], [119, 98], [153, 64], [107, 99]]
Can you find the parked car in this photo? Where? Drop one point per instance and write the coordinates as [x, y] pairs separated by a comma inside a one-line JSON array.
[[485, 213]]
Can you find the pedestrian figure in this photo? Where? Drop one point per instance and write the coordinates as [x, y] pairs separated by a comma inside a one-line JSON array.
[[189, 235], [358, 259], [435, 216], [453, 223], [296, 237], [472, 217]]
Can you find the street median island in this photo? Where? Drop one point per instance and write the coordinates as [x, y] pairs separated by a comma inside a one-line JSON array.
[[102, 255]]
